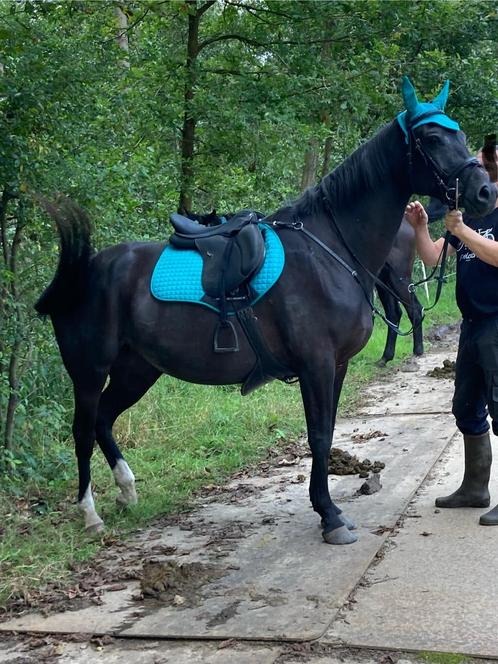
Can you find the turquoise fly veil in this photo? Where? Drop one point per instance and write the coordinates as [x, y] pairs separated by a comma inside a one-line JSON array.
[[419, 113]]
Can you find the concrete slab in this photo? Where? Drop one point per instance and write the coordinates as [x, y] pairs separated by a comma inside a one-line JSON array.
[[411, 390], [127, 651], [435, 588], [280, 581]]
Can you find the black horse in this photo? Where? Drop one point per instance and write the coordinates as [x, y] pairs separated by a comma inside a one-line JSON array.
[[396, 273], [315, 318]]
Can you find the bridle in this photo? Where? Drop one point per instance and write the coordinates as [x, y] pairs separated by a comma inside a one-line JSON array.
[[443, 179]]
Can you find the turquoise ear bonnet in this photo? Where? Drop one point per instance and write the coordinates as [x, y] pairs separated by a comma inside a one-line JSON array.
[[419, 113]]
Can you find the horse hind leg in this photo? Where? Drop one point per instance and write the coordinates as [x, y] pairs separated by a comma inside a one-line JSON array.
[[130, 378], [86, 399]]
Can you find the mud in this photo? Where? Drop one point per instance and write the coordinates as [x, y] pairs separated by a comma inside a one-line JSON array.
[[446, 371], [344, 463], [363, 437], [177, 585], [441, 332]]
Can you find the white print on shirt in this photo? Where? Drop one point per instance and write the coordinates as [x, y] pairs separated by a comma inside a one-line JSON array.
[[469, 255]]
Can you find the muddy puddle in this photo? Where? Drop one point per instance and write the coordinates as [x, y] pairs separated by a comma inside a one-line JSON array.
[[176, 584]]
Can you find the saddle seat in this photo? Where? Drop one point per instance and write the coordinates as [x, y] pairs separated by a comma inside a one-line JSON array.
[[231, 252], [185, 227]]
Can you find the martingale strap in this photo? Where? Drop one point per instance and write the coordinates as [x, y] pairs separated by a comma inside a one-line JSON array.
[[299, 226]]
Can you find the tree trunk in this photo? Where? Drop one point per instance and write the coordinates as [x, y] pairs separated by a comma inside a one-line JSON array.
[[122, 35], [13, 295], [189, 120], [310, 166], [327, 153]]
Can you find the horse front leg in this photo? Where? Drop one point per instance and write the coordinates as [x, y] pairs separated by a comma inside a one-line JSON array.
[[317, 390], [340, 375]]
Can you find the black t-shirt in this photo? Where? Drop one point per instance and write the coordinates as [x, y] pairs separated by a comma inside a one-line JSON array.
[[477, 281]]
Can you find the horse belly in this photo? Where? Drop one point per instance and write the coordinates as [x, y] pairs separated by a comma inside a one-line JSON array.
[[178, 339]]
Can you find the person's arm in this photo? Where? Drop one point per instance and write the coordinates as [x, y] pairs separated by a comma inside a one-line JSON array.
[[428, 250], [484, 248]]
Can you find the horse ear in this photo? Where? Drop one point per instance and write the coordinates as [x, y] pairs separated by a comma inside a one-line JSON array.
[[409, 95], [442, 98]]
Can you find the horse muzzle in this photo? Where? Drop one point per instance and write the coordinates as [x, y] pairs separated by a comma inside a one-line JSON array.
[[483, 201]]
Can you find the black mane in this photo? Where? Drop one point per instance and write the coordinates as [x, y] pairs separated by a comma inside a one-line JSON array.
[[365, 170]]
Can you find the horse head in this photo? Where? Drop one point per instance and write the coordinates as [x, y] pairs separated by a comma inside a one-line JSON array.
[[438, 155]]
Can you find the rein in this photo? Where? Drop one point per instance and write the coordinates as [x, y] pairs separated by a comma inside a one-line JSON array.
[[451, 194], [299, 226]]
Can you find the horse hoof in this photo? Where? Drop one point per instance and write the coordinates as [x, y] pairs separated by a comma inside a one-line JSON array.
[[339, 535], [123, 502], [382, 363], [350, 525], [95, 529]]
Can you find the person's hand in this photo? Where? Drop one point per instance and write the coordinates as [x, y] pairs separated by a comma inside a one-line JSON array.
[[416, 215], [454, 221]]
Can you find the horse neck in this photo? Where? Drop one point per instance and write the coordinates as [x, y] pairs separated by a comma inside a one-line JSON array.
[[367, 195]]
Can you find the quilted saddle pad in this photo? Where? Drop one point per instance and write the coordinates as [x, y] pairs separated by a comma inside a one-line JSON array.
[[177, 273]]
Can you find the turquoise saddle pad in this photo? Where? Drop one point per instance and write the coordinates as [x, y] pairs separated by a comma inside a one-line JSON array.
[[177, 274]]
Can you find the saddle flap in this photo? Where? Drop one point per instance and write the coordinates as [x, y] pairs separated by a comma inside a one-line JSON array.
[[229, 262]]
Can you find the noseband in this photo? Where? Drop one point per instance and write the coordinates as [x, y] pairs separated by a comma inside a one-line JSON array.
[[445, 181]]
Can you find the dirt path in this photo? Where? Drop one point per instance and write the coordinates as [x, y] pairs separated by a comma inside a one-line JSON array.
[[245, 576]]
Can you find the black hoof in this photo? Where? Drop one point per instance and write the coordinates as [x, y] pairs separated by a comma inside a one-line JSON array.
[[339, 536]]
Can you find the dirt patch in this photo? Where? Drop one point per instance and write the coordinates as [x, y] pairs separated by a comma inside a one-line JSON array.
[[441, 332], [177, 584], [363, 437], [344, 463], [446, 371], [224, 615]]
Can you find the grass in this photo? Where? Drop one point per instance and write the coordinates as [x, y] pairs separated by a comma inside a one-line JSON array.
[[178, 438], [443, 658]]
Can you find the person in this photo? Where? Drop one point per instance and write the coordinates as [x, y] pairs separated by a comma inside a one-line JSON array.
[[475, 243]]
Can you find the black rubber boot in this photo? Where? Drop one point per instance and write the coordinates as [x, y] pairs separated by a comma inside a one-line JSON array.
[[490, 518], [473, 491]]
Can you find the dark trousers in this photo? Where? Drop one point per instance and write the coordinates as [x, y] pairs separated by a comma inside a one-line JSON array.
[[476, 382]]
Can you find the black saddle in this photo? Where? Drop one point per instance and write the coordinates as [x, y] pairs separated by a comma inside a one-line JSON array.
[[232, 253], [187, 228]]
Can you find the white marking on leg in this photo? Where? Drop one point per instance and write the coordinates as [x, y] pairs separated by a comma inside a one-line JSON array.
[[125, 480], [87, 506]]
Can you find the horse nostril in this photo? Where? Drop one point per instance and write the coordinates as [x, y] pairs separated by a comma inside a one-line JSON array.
[[484, 193]]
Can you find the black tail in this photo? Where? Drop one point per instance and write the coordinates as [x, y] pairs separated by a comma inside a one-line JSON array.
[[68, 285]]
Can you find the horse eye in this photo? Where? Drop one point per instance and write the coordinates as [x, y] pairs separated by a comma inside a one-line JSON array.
[[434, 139]]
